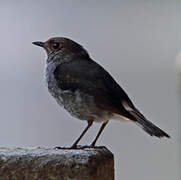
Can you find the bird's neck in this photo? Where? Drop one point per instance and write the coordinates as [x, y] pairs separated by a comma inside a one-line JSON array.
[[58, 57], [66, 57]]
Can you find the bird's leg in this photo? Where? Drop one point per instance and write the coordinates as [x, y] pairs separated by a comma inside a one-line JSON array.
[[99, 133], [83, 133]]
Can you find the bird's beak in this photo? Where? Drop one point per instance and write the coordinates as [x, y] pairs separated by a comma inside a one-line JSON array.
[[38, 43]]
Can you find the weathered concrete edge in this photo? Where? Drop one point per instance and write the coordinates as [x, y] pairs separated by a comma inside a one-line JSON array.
[[42, 163]]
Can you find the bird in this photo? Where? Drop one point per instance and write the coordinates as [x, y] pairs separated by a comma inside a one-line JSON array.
[[86, 90]]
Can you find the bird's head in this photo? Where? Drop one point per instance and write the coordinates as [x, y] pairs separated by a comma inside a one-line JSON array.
[[61, 49]]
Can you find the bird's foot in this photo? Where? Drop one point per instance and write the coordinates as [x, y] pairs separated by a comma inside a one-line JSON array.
[[92, 145], [75, 147], [79, 147], [58, 147]]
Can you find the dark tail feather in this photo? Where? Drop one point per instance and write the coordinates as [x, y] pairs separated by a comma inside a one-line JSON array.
[[147, 126]]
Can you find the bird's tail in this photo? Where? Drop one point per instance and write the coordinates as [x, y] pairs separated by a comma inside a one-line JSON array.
[[146, 125]]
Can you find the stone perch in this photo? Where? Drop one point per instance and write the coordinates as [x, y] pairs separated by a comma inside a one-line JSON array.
[[56, 164]]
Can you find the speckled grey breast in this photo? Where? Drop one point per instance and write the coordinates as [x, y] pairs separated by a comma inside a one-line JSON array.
[[78, 104]]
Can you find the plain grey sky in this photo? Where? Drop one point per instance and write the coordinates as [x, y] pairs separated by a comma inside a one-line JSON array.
[[136, 41]]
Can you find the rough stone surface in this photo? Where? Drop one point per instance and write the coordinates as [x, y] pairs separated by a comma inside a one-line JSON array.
[[56, 164]]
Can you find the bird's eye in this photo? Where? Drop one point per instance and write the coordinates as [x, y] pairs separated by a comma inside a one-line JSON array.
[[55, 45]]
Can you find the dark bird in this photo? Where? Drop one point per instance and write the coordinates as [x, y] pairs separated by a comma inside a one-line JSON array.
[[86, 90]]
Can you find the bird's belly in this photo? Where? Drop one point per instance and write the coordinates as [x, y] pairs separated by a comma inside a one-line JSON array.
[[81, 106]]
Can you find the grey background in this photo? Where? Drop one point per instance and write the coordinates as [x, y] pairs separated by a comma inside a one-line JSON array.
[[136, 41]]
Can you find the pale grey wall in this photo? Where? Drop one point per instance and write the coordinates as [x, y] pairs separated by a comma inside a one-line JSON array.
[[136, 41]]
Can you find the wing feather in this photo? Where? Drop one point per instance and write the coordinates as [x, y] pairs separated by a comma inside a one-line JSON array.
[[89, 77]]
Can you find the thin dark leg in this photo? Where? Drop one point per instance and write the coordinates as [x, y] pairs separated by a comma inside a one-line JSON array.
[[99, 133], [83, 133]]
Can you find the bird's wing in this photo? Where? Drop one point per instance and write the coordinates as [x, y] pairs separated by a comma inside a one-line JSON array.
[[89, 77]]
